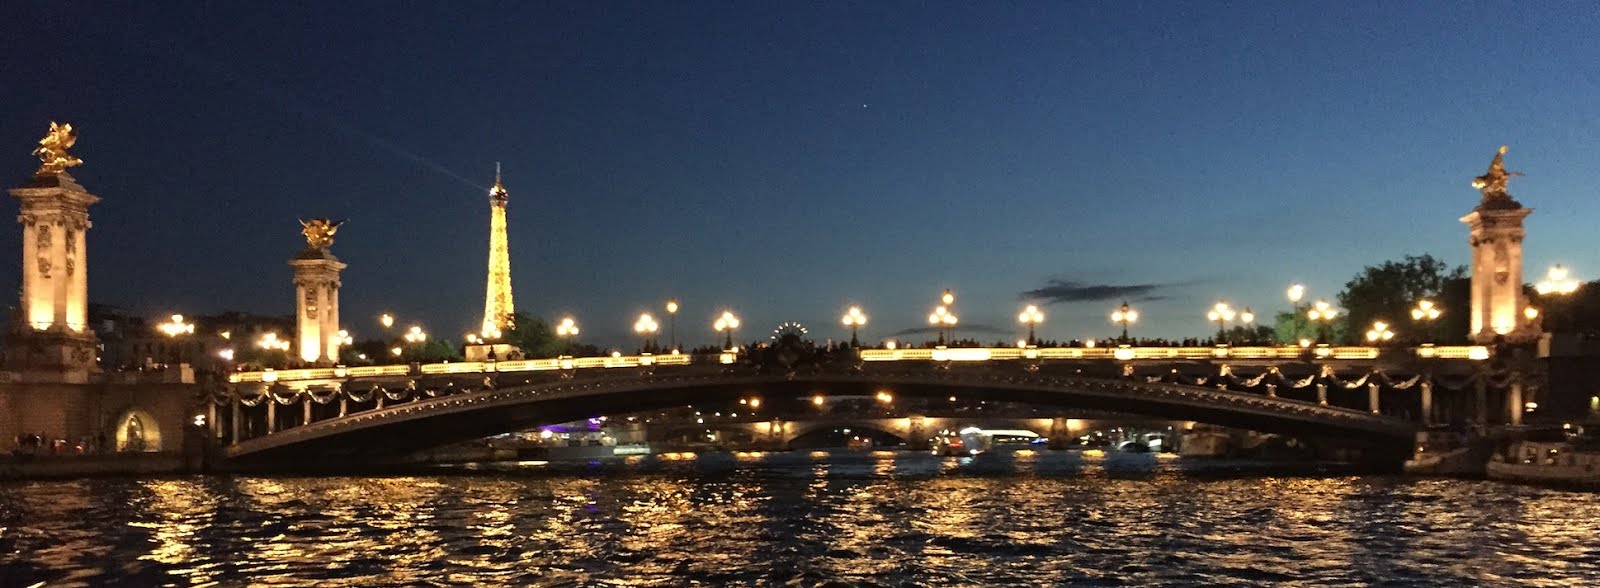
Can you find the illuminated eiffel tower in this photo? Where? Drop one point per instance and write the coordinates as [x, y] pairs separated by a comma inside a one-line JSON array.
[[497, 296]]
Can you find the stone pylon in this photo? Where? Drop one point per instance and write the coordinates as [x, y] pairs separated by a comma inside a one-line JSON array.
[[316, 281], [1496, 233], [50, 338]]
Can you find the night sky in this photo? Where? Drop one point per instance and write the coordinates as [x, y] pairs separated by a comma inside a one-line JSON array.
[[786, 159]]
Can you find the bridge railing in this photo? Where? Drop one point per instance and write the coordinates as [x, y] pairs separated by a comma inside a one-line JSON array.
[[941, 354]]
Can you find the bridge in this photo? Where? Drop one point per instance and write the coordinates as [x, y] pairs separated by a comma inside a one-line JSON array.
[[1365, 397]]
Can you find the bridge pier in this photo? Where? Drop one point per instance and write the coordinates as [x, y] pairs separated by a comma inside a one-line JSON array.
[[1322, 394], [1272, 390], [305, 419], [1514, 402], [344, 406], [1480, 391], [238, 422], [1372, 397], [212, 424], [272, 414], [1427, 402]]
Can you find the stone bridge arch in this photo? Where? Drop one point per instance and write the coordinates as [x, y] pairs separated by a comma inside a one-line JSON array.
[[466, 414]]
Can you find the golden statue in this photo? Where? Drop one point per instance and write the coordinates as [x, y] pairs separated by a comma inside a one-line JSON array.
[[1493, 182], [319, 232], [52, 151]]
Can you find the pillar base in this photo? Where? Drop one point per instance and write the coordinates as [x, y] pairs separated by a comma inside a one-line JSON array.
[[53, 355]]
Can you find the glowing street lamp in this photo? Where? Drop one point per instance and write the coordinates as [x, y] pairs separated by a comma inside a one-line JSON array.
[[1323, 313], [387, 320], [672, 323], [1425, 312], [176, 326], [854, 319], [566, 330], [1295, 293], [271, 342], [1030, 316], [726, 324], [646, 328], [1557, 281], [1124, 315], [1221, 313], [415, 335], [1379, 333], [943, 317]]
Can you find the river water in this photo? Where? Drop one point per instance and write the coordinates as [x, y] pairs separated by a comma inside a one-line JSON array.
[[804, 519]]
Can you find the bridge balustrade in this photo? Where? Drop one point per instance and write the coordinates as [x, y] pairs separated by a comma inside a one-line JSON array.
[[954, 354]]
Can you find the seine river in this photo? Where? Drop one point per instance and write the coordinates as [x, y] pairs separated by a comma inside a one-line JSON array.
[[804, 519]]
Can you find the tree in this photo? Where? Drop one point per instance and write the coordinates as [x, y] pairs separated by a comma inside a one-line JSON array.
[[533, 336], [1388, 292]]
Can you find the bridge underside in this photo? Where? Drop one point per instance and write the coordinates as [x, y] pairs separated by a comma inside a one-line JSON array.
[[401, 429]]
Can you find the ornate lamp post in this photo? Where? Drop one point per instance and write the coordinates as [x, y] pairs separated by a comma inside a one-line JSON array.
[[1323, 313], [566, 330], [646, 328], [1124, 315], [1557, 282], [943, 317], [726, 324], [1425, 312], [173, 329], [854, 319], [672, 323], [1221, 313], [1030, 316]]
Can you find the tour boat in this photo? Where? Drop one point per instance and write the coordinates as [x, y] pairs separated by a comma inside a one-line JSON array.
[[1566, 463]]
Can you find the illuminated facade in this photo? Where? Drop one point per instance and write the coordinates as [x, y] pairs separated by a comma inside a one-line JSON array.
[[497, 306], [51, 334], [1498, 302]]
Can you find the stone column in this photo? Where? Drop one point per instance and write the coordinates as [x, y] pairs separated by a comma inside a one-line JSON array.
[[305, 419], [272, 414], [1372, 398], [344, 404], [1322, 394], [1272, 390]]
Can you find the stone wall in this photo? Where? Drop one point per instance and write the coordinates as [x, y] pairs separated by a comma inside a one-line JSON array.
[[82, 412]]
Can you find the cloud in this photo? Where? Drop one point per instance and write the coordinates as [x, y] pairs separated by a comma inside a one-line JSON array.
[[1071, 291], [961, 331]]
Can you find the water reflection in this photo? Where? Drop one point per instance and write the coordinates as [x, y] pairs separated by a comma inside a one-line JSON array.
[[1029, 517]]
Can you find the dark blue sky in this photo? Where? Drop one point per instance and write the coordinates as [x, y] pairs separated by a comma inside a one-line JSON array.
[[785, 159]]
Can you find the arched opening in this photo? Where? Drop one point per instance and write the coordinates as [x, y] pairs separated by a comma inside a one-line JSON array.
[[846, 435], [137, 431]]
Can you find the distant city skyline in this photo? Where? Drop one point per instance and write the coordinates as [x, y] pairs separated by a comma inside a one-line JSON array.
[[787, 164]]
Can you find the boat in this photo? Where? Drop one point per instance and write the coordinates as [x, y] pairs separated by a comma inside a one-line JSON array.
[[1574, 461]]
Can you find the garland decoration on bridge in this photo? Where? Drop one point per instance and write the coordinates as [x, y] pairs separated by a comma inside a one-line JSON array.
[[359, 397], [252, 400], [329, 394], [284, 395], [398, 395]]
